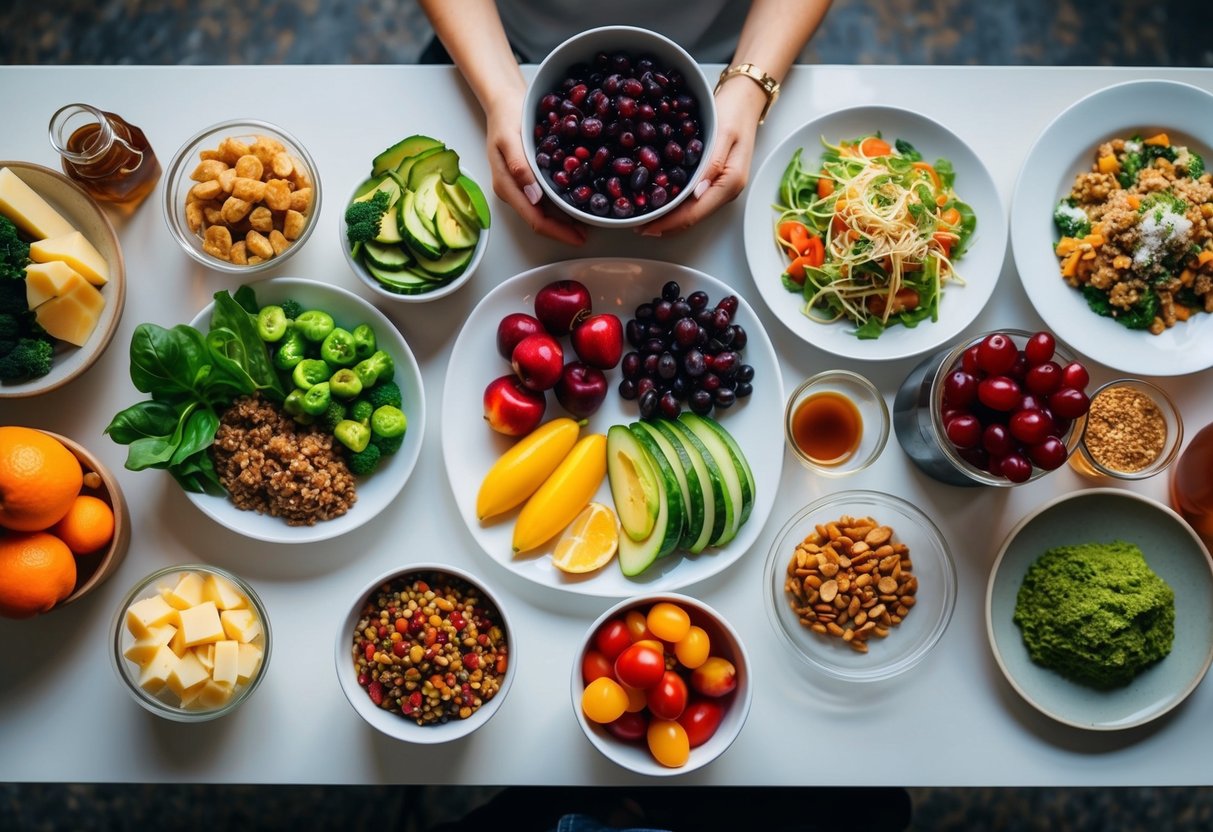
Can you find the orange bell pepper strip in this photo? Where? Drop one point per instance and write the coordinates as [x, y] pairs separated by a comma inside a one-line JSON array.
[[814, 252], [795, 269], [934, 174], [872, 147], [825, 185]]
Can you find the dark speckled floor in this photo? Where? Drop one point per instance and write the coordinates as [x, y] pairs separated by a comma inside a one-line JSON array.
[[1052, 32]]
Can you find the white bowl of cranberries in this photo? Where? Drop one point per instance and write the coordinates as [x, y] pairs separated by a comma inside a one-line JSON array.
[[617, 124]]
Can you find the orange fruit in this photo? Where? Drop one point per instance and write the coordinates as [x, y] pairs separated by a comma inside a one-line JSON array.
[[39, 479], [87, 526], [589, 542], [37, 571]]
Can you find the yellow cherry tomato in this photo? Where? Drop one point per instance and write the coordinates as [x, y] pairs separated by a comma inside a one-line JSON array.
[[694, 648], [669, 622], [668, 743], [604, 700], [638, 626], [638, 699]]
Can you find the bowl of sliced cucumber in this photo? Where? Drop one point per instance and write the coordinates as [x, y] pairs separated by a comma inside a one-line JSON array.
[[416, 228]]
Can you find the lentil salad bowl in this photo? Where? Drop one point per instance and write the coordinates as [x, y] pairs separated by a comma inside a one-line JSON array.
[[425, 654]]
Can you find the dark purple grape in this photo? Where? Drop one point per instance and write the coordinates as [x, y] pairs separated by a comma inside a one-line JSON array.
[[710, 382], [648, 403], [640, 178], [647, 156], [625, 106], [739, 337], [667, 366], [581, 194], [568, 108], [663, 310], [601, 60], [683, 103], [614, 187], [673, 152], [694, 363], [689, 128], [671, 291], [694, 152], [704, 316], [681, 309], [623, 166], [724, 364], [644, 384], [643, 312], [610, 84], [658, 196], [631, 365], [678, 177], [721, 319], [654, 346], [627, 140], [645, 112], [548, 145], [729, 304], [560, 179], [725, 337], [700, 402], [543, 160], [685, 332], [599, 205], [698, 299], [632, 87], [658, 331], [548, 104], [621, 62], [670, 407], [627, 389], [591, 128], [743, 389], [680, 387], [724, 398], [744, 374], [634, 330], [646, 133], [570, 126], [622, 208]]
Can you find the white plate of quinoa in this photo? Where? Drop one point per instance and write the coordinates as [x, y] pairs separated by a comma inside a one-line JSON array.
[[1065, 161], [372, 493]]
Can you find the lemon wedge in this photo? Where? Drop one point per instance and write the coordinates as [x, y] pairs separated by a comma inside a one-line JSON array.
[[589, 542]]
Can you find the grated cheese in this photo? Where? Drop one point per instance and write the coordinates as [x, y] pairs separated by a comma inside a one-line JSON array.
[[1159, 231]]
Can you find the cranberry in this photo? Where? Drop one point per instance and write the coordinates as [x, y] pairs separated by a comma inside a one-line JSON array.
[[1075, 375], [1069, 403], [1039, 348], [1043, 378], [1016, 468], [998, 393], [1049, 454], [996, 354]]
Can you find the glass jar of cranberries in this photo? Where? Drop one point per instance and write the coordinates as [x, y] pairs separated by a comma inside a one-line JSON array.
[[1003, 408]]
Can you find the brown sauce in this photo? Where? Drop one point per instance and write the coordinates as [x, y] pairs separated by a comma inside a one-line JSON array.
[[827, 427]]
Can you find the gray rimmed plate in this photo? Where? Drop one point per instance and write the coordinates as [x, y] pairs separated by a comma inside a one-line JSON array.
[[1172, 550]]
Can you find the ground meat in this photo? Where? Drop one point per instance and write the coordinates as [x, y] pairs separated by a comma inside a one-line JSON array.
[[270, 464]]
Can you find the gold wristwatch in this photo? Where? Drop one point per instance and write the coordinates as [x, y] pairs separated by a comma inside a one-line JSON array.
[[769, 85]]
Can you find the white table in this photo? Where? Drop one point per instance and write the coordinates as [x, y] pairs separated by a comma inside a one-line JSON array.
[[953, 720]]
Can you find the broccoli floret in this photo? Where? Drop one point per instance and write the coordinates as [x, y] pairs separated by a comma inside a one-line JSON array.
[[12, 295], [1162, 201], [14, 252], [387, 393], [362, 218], [31, 358], [291, 309], [361, 410], [387, 445], [335, 412], [1193, 163], [364, 462], [1071, 220], [11, 328]]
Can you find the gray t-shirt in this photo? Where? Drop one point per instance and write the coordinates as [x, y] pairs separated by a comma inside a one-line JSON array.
[[708, 29]]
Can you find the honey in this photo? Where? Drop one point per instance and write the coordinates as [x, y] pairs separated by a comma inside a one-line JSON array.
[[827, 428], [106, 155]]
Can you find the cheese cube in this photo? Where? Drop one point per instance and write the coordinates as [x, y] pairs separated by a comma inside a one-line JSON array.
[[200, 624], [187, 593], [224, 593], [148, 613], [44, 281], [188, 673], [155, 672], [227, 662], [213, 694], [143, 649], [190, 695], [177, 643], [72, 317], [250, 660], [29, 211], [241, 625], [77, 252], [205, 654]]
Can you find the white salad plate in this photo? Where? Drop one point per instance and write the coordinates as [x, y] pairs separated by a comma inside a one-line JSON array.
[[1067, 148], [1173, 552], [979, 268], [379, 489], [470, 447]]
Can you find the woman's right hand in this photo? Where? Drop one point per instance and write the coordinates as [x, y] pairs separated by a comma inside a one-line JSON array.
[[513, 181]]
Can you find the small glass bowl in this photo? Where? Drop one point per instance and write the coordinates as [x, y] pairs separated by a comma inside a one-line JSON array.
[[725, 642], [179, 183], [128, 671], [1085, 463], [921, 628], [873, 415]]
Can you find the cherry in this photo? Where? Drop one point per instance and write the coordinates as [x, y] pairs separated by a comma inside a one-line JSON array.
[[1069, 403], [1030, 426], [1049, 454], [1039, 348], [996, 354], [959, 389], [998, 393], [964, 431], [1075, 375], [1043, 378], [1016, 468]]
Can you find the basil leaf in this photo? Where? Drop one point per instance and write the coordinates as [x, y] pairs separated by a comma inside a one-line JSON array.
[[247, 298], [197, 474], [230, 358], [197, 434], [142, 420], [230, 315], [947, 174], [165, 362]]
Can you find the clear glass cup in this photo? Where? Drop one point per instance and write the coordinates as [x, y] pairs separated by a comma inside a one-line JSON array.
[[866, 407], [1088, 464]]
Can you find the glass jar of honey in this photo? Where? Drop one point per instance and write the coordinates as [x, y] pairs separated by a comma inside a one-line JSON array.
[[106, 155]]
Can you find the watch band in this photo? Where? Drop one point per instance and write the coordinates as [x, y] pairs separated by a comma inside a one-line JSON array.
[[768, 84]]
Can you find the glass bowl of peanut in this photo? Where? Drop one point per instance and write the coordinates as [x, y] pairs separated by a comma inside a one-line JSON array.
[[860, 585], [241, 196]]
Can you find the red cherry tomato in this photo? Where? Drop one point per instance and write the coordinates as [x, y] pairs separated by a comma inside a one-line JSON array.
[[1039, 348], [668, 698], [996, 354], [700, 719], [631, 727], [612, 638], [594, 666], [640, 666], [1075, 375]]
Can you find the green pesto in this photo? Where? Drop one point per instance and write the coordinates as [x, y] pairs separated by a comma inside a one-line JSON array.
[[1095, 613]]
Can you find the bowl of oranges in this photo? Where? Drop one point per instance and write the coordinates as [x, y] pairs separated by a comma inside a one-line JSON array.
[[64, 526]]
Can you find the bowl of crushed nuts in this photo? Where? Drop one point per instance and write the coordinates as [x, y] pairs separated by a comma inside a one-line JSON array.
[[425, 654], [860, 585], [241, 196]]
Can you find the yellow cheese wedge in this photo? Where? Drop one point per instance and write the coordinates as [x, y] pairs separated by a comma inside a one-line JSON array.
[[155, 672], [77, 252], [227, 662], [28, 211], [241, 625], [187, 674], [200, 624], [73, 316], [224, 593], [250, 660], [213, 694], [44, 281], [205, 654], [177, 644], [143, 649], [148, 613], [187, 593]]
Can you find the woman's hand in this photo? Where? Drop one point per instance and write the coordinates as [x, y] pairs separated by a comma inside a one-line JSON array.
[[513, 181]]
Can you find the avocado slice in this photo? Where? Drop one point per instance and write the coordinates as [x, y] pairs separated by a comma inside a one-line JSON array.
[[452, 231], [426, 204], [407, 163], [633, 483], [675, 454], [413, 231], [672, 502], [389, 159], [480, 205], [456, 198], [445, 163]]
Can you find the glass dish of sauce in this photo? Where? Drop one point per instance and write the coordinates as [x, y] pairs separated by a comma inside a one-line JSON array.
[[105, 154], [836, 423]]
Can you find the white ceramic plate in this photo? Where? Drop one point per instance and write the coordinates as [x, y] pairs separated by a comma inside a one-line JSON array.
[[1175, 554], [78, 208], [979, 267], [470, 447], [375, 492], [1065, 149]]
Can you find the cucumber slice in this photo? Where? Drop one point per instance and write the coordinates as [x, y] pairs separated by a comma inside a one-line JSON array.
[[633, 483], [717, 507], [427, 202], [391, 258], [452, 231], [388, 231], [673, 499], [366, 190], [480, 205], [450, 265], [688, 482], [445, 163], [748, 486], [730, 473], [389, 159], [413, 231], [404, 282]]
